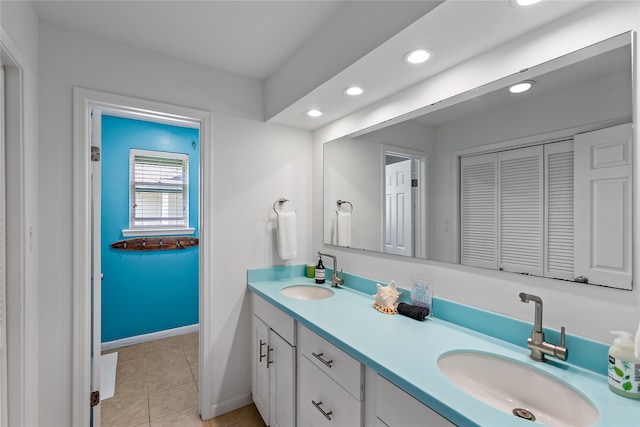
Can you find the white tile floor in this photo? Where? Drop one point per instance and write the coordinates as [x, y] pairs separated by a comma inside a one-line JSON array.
[[157, 385]]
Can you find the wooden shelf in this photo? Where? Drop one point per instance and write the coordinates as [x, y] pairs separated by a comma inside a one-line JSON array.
[[160, 243]]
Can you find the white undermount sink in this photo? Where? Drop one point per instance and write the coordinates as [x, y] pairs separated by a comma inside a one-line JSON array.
[[306, 292], [517, 389]]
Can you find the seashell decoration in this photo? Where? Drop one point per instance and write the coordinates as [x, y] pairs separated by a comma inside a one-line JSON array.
[[386, 298]]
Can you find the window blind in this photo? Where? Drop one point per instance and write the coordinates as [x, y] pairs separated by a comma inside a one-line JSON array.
[[159, 189]]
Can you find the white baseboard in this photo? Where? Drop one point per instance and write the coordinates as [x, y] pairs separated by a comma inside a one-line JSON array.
[[149, 337], [237, 402]]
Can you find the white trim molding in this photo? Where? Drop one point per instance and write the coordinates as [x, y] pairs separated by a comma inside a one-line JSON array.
[[144, 232], [84, 100], [21, 213], [139, 339]]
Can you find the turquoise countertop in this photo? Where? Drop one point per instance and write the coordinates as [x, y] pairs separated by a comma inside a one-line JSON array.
[[406, 351]]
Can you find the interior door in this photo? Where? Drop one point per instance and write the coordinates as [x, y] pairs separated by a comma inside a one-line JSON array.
[[602, 209], [398, 207], [96, 270]]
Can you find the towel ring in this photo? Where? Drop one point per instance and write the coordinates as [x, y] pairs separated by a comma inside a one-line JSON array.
[[280, 201], [341, 202]]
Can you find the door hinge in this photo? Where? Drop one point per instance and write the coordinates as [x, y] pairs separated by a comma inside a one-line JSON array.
[[414, 182], [94, 398], [95, 153]]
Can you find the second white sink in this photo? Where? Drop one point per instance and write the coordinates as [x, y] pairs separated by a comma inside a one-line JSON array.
[[306, 292], [517, 389]]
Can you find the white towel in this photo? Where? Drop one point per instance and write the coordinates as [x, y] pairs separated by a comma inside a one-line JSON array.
[[343, 228], [108, 364], [287, 237]]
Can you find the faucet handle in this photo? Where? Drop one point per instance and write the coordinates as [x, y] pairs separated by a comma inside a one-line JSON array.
[[561, 351]]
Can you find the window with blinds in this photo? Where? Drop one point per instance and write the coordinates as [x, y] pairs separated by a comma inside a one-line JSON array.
[[159, 190], [504, 223]]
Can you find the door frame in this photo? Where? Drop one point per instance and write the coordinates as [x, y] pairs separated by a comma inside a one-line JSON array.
[[84, 100], [20, 214]]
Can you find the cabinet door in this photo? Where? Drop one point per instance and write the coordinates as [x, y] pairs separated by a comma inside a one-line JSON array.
[[323, 402], [260, 375], [396, 408], [282, 368]]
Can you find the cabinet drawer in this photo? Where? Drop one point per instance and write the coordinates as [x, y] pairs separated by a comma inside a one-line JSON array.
[[343, 368], [316, 386], [397, 408], [277, 320]]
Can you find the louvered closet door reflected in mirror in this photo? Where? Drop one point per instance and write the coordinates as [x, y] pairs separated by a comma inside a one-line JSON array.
[[560, 210]]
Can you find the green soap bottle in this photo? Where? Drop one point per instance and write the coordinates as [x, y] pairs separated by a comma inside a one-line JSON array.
[[624, 367]]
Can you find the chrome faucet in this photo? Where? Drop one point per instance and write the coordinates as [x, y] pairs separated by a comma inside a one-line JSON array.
[[336, 279], [536, 342]]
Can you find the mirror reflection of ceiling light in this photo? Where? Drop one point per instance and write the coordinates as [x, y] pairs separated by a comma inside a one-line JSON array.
[[314, 113], [526, 2], [522, 86], [417, 56], [353, 91]]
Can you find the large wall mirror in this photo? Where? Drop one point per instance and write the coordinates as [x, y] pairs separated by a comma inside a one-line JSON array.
[[537, 182]]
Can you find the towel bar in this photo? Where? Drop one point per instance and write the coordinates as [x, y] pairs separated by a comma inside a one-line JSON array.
[[280, 201], [341, 202]]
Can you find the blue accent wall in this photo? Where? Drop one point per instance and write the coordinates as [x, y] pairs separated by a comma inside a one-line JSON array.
[[144, 292]]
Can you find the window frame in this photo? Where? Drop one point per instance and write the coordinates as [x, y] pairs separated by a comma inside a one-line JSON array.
[[158, 229]]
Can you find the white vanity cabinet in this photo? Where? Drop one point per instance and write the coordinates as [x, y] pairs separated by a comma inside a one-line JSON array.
[[397, 408], [330, 383], [273, 383]]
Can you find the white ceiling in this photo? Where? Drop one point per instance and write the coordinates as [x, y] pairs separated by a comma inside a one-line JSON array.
[[251, 38], [262, 39]]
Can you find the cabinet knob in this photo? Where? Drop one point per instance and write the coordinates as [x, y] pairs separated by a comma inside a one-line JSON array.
[[269, 350], [322, 359], [326, 414], [261, 355]]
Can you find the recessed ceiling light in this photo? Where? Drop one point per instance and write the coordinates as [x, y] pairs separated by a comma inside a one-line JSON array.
[[314, 113], [522, 86], [353, 91], [526, 2], [417, 56]]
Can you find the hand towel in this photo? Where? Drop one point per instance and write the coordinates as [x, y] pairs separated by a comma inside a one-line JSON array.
[[287, 240], [343, 228], [414, 311]]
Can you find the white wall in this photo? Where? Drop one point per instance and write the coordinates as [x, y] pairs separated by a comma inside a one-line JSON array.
[[588, 311], [255, 164], [19, 40], [354, 172]]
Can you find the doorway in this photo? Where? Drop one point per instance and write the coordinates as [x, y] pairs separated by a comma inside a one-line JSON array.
[[406, 202], [87, 249], [149, 200]]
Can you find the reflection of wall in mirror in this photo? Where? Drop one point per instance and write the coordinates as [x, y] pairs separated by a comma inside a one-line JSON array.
[[353, 170], [606, 99]]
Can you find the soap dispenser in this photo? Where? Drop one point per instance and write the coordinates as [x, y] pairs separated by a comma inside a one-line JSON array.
[[624, 366], [320, 271]]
